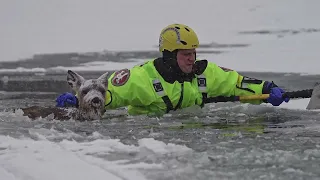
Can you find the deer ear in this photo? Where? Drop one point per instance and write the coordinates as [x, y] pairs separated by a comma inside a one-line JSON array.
[[104, 79], [74, 80]]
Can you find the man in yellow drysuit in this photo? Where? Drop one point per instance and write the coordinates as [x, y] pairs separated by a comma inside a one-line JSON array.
[[177, 80]]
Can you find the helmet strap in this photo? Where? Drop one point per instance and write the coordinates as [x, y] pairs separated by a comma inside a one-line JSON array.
[[170, 60], [166, 55]]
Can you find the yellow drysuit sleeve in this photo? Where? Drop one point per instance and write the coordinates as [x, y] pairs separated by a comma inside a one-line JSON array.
[[226, 82], [129, 87]]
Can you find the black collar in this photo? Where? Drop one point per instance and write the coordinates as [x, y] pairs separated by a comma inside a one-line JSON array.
[[170, 71]]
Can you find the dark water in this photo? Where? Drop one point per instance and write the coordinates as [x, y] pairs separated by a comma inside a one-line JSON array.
[[228, 140]]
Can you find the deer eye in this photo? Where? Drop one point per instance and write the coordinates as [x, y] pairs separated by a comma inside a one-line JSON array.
[[85, 91], [102, 90]]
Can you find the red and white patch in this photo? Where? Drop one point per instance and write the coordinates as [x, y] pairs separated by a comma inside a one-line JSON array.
[[120, 77], [225, 69]]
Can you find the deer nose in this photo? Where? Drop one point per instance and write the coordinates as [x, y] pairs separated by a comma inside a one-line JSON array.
[[95, 100]]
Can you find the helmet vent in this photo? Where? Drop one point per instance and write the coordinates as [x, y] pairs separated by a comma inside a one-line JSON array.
[[183, 42], [187, 29], [177, 27]]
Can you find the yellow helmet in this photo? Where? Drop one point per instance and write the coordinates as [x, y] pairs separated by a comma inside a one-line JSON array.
[[177, 36]]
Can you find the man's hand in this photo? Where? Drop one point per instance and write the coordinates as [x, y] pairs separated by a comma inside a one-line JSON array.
[[276, 96]]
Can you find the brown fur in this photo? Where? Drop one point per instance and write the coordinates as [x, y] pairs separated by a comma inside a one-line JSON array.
[[35, 112]]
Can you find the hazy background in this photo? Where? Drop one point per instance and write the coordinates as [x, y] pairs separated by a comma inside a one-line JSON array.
[[43, 26]]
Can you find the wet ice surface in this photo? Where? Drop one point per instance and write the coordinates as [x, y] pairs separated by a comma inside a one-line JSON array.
[[268, 143], [221, 141]]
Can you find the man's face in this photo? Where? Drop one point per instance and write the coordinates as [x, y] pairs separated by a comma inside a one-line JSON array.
[[186, 59]]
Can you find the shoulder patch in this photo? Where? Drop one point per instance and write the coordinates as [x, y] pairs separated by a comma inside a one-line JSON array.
[[225, 69], [120, 77]]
